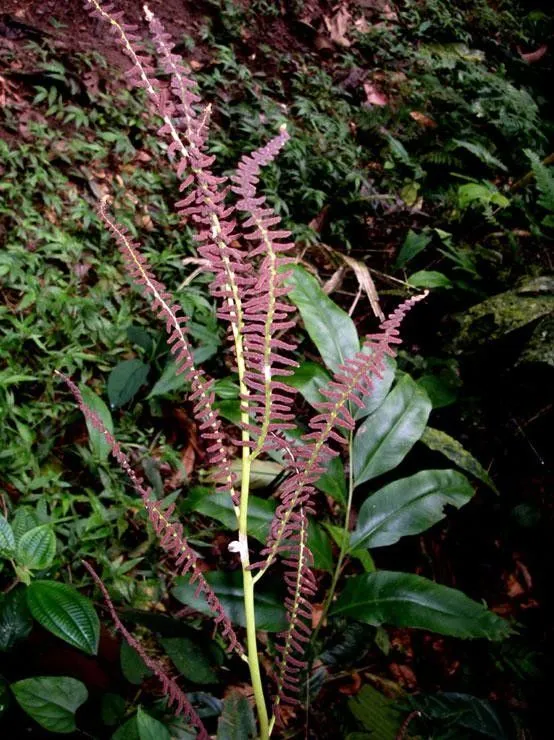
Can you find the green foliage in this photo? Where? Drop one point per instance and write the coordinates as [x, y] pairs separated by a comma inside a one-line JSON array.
[[51, 701]]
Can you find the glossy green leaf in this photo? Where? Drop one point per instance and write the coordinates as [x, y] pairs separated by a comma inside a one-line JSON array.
[[133, 666], [51, 701], [379, 391], [333, 481], [408, 506], [461, 710], [429, 279], [169, 381], [406, 600], [220, 507], [237, 719], [337, 533], [191, 659], [98, 444], [150, 728], [15, 618], [439, 441], [7, 539], [125, 380], [386, 437], [320, 547], [127, 731], [270, 612], [37, 548], [413, 244], [308, 379], [66, 613], [329, 327]]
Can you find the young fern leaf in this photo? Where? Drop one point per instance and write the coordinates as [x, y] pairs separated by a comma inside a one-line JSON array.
[[301, 587], [164, 306], [265, 312], [170, 533], [175, 695], [353, 380]]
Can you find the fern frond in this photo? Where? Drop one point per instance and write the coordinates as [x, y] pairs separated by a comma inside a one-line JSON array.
[[300, 586], [353, 380], [165, 307], [544, 178], [175, 695], [265, 311], [170, 533]]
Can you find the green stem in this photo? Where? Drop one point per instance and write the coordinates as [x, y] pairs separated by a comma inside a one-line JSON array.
[[343, 545]]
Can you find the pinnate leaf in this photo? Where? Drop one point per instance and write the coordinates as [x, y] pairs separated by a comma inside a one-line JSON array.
[[66, 613]]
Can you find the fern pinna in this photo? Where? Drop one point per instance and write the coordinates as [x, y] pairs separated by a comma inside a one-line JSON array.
[[246, 250]]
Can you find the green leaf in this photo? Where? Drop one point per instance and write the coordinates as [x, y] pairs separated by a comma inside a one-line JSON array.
[[37, 548], [270, 613], [24, 520], [98, 444], [441, 392], [113, 709], [439, 441], [51, 701], [413, 245], [169, 381], [481, 152], [379, 391], [127, 731], [333, 481], [461, 710], [376, 713], [66, 613], [386, 437], [133, 667], [15, 619], [337, 533], [308, 378], [139, 336], [220, 507], [408, 506], [190, 659], [320, 547], [125, 380], [429, 279], [7, 539], [330, 328], [237, 719], [406, 600], [150, 728]]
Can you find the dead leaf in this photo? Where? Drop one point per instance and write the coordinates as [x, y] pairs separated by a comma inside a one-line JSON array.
[[422, 119], [533, 56], [337, 26], [373, 95], [404, 675], [365, 281], [334, 282]]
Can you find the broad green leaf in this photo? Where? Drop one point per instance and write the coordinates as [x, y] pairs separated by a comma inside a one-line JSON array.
[[37, 548], [386, 437], [125, 380], [169, 381], [320, 547], [408, 506], [98, 444], [441, 392], [333, 481], [439, 441], [308, 378], [127, 731], [15, 619], [406, 600], [150, 728], [429, 279], [24, 520], [270, 612], [220, 507], [191, 659], [413, 245], [113, 709], [133, 667], [329, 327], [376, 713], [139, 336], [461, 710], [51, 701], [379, 391], [237, 719], [338, 534], [7, 539], [66, 613]]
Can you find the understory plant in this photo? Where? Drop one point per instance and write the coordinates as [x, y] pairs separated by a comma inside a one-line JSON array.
[[257, 287]]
